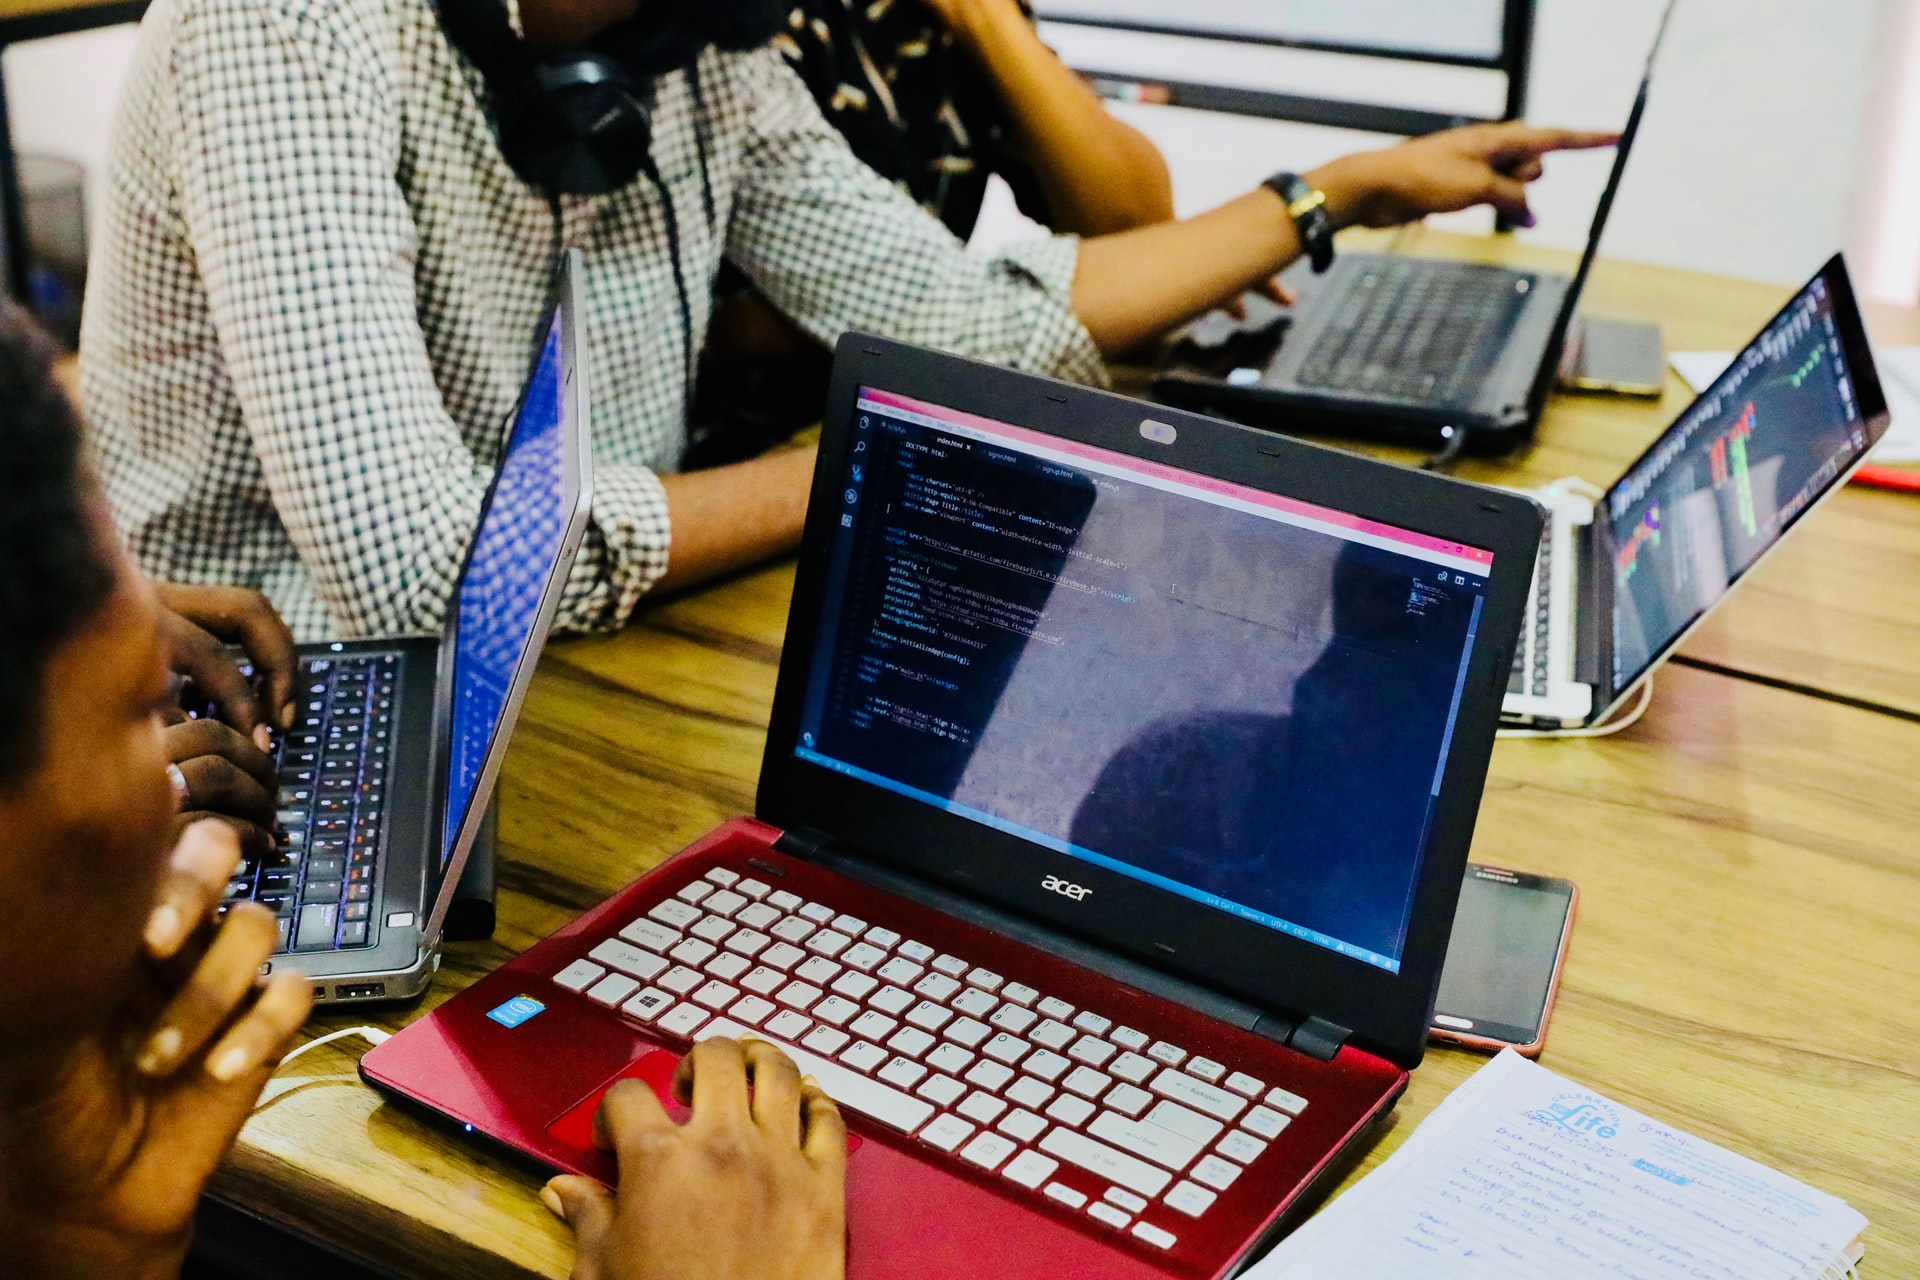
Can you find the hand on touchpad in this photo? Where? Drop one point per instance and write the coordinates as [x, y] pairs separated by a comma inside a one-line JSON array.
[[655, 1070]]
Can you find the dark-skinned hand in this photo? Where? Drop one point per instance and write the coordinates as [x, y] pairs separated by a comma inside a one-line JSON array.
[[104, 1152], [200, 622], [751, 1187]]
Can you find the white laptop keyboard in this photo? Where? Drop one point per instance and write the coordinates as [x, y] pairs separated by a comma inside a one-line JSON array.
[[972, 1063]]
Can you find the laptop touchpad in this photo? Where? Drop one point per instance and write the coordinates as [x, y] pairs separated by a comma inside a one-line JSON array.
[[655, 1070]]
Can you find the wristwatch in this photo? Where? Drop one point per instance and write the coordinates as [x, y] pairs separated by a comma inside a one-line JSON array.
[[1307, 206]]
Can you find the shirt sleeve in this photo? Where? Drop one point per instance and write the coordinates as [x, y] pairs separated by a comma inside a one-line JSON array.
[[837, 247], [289, 142]]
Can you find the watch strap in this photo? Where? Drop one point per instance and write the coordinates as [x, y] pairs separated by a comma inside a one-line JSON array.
[[1307, 206]]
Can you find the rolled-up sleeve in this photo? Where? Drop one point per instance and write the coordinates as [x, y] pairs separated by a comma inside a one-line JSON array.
[[837, 247]]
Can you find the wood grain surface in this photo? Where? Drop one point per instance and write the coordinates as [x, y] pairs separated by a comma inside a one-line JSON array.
[[1746, 963]]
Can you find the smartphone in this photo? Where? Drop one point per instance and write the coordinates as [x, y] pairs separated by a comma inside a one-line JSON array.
[[1503, 963], [1615, 356]]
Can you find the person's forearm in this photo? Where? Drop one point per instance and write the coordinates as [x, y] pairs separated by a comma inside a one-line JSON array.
[[1100, 175], [1133, 287], [731, 517]]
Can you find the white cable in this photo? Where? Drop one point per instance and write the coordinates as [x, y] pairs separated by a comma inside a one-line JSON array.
[[1605, 729], [372, 1035], [1579, 488]]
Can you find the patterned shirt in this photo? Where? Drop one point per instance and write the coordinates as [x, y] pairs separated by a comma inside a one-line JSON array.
[[317, 290], [912, 103]]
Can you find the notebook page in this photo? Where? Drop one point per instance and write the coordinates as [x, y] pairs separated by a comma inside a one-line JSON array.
[[1521, 1173]]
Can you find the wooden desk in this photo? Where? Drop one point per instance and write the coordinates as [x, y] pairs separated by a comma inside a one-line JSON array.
[[1746, 963]]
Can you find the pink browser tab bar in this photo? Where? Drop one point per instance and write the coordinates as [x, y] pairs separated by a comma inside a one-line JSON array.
[[1126, 462]]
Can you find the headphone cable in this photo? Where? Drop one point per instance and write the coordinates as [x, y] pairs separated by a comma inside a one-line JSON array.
[[679, 275]]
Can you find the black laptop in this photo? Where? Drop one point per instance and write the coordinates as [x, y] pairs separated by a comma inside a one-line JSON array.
[[1402, 347]]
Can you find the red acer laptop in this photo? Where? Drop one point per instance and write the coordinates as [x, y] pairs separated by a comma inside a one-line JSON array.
[[1117, 798]]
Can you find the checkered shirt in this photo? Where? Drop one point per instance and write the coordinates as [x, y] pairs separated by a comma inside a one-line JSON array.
[[317, 287]]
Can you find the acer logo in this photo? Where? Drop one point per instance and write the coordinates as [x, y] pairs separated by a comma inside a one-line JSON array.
[[1066, 889]]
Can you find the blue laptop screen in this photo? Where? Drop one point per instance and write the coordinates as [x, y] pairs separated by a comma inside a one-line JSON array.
[[522, 528], [1238, 698], [1763, 443]]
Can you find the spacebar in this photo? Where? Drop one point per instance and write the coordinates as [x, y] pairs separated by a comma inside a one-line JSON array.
[[850, 1089]]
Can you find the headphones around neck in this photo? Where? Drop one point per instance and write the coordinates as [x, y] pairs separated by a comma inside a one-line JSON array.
[[577, 122], [580, 121]]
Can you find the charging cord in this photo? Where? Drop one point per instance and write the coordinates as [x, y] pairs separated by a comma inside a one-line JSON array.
[[1605, 729], [372, 1035], [277, 1089], [1579, 488]]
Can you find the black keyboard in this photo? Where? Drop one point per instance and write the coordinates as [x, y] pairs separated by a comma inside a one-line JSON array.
[[333, 765], [1530, 655], [1416, 329]]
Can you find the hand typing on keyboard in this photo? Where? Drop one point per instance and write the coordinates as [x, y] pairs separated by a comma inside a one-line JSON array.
[[197, 619], [751, 1187], [225, 777], [219, 735]]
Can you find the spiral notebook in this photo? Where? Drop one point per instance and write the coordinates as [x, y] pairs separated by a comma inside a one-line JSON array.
[[1522, 1173]]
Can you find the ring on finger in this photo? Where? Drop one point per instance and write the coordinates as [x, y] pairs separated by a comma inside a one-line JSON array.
[[182, 793]]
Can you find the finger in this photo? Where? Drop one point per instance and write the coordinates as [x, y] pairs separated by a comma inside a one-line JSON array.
[[269, 643], [1279, 291], [826, 1140], [716, 1075], [584, 1205], [1509, 196], [1528, 170], [629, 1113], [1237, 309], [214, 991], [776, 1092], [198, 655], [195, 881], [197, 738], [219, 786], [1506, 144], [262, 1035], [255, 840]]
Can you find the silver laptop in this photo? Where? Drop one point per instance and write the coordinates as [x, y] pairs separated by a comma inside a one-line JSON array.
[[1426, 350], [386, 774], [1622, 581]]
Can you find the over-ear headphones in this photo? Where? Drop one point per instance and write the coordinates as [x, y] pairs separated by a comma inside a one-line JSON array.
[[578, 122]]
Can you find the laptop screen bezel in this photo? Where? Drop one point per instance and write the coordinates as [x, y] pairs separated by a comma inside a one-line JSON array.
[[1874, 414], [577, 499], [1623, 151], [1386, 1011]]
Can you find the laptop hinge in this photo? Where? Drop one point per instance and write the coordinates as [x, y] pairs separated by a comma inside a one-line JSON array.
[[803, 843], [1318, 1038], [1592, 621]]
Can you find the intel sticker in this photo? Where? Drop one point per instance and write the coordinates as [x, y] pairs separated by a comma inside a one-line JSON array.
[[516, 1011]]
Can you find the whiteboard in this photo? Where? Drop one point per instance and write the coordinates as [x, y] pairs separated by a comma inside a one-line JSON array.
[[1444, 28]]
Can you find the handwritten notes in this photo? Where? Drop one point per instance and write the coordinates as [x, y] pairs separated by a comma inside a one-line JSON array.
[[1521, 1173]]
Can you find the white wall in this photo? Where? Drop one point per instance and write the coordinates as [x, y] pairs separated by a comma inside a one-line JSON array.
[[1763, 149], [1779, 131], [61, 92]]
